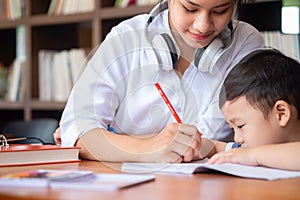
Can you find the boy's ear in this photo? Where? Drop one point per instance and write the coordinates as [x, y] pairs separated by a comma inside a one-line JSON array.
[[282, 110]]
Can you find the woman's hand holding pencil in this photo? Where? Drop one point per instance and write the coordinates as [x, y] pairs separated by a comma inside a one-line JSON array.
[[181, 141]]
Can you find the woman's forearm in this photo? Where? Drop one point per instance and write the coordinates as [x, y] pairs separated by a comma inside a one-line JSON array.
[[175, 143], [102, 145]]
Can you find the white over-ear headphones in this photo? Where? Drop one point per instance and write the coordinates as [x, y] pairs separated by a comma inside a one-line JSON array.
[[205, 58]]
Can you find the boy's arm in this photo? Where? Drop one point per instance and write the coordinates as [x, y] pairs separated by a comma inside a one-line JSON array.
[[282, 156]]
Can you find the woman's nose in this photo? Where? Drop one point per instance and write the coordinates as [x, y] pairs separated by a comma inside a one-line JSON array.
[[202, 22]]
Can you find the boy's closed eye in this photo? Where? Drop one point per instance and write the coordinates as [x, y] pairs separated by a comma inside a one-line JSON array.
[[232, 126], [240, 126]]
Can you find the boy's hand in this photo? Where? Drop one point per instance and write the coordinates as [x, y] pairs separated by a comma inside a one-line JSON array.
[[243, 156]]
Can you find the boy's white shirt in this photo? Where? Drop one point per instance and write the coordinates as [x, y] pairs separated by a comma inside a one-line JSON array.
[[229, 146], [117, 86]]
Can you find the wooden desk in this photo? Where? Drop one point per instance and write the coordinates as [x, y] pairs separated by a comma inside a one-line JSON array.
[[165, 186]]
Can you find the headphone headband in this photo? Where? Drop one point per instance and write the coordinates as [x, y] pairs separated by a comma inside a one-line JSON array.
[[158, 8]]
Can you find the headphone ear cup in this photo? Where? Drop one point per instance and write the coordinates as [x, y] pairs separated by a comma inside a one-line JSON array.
[[165, 51], [172, 49], [206, 59]]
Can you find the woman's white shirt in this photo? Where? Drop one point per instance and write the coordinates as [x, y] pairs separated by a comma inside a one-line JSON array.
[[117, 86]]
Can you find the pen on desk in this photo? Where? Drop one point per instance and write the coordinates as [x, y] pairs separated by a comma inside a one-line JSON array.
[[165, 98]]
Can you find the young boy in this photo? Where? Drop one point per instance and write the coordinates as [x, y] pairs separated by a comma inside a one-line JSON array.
[[261, 102]]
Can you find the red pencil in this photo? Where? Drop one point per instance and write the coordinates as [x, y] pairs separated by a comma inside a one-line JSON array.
[[165, 98]]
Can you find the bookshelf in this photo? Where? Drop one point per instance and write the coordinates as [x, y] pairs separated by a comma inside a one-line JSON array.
[[267, 16], [59, 32]]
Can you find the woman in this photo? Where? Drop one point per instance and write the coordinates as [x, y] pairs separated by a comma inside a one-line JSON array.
[[188, 47]]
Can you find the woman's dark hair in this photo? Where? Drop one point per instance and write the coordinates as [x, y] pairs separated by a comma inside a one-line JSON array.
[[264, 77]]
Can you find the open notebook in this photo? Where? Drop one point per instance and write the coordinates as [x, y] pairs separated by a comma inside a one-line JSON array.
[[201, 167]]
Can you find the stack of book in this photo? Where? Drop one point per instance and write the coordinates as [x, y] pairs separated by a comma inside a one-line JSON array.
[[36, 154], [12, 82], [125, 3], [65, 7], [58, 71], [12, 9], [289, 44], [15, 85]]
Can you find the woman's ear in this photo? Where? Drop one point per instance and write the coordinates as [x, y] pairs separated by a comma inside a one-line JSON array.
[[282, 110]]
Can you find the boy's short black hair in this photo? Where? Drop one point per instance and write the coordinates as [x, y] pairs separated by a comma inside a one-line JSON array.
[[264, 77]]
